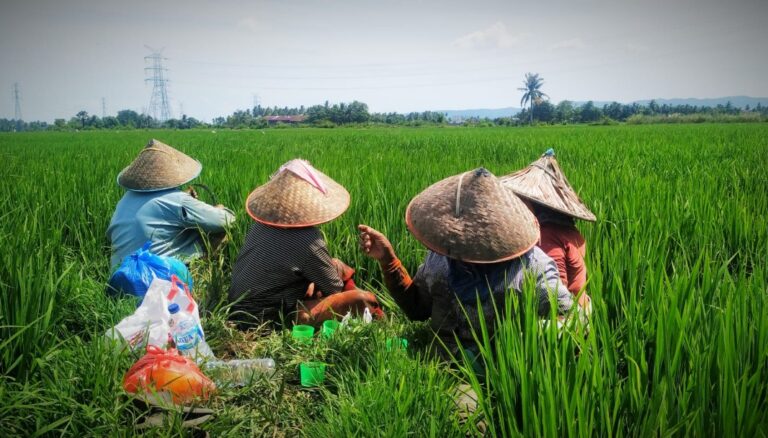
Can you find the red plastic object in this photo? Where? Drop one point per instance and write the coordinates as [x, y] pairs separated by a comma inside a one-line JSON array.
[[167, 371]]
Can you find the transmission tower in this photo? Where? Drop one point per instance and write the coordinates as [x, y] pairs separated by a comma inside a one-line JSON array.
[[159, 105], [17, 102], [103, 107]]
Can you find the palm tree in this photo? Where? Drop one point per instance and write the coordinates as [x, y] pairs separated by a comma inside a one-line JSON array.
[[533, 94]]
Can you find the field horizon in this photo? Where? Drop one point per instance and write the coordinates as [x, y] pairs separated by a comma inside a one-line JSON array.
[[677, 344]]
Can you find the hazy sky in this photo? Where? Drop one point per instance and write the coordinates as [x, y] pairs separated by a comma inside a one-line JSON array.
[[394, 55]]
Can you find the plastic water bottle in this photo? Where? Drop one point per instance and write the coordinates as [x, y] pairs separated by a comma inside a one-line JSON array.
[[188, 336], [239, 372]]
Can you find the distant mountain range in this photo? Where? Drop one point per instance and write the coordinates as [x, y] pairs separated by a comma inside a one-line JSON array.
[[492, 113]]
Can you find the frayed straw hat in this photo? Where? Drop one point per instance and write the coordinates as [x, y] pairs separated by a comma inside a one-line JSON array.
[[297, 195], [543, 182], [472, 217], [159, 167]]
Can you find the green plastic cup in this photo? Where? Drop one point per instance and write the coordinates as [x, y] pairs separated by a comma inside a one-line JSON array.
[[329, 328], [312, 374], [303, 333], [400, 343]]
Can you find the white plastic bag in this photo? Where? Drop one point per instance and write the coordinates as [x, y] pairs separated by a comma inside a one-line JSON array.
[[150, 323]]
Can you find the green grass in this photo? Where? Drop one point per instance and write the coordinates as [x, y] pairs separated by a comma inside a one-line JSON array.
[[678, 344]]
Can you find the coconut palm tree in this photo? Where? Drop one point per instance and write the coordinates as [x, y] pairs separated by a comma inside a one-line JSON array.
[[532, 89]]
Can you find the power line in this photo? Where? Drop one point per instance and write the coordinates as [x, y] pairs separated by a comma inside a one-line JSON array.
[[159, 106]]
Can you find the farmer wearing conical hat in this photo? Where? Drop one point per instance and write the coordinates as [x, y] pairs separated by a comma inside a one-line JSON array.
[[556, 205], [482, 242], [284, 268], [155, 209]]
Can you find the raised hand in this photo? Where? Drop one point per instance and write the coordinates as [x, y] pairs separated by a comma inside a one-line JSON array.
[[375, 245]]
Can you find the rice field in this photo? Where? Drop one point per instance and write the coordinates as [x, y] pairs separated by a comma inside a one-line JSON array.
[[678, 274]]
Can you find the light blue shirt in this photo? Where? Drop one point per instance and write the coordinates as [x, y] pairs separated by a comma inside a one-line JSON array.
[[171, 219]]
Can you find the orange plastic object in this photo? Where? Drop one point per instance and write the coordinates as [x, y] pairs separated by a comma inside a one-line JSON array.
[[161, 371]]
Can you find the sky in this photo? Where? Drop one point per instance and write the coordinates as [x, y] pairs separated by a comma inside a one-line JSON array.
[[394, 55]]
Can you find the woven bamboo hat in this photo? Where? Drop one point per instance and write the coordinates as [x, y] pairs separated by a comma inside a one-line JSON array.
[[297, 195], [543, 182], [159, 167], [472, 217]]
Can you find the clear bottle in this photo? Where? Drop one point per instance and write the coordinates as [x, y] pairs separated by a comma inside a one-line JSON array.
[[239, 372], [188, 336]]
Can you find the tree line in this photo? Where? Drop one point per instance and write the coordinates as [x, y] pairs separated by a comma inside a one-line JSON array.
[[326, 115]]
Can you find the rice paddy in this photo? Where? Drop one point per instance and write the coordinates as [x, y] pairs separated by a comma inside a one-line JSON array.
[[678, 274]]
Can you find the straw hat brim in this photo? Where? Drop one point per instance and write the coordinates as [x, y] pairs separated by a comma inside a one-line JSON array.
[[287, 201], [159, 167], [494, 225], [544, 183]]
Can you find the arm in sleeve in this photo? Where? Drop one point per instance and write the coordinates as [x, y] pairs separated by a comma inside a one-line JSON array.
[[317, 267], [576, 269], [210, 219], [549, 285], [416, 303]]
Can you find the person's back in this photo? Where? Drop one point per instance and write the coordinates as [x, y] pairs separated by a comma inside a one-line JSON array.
[[284, 271], [274, 268], [170, 219], [566, 246], [154, 209], [453, 287]]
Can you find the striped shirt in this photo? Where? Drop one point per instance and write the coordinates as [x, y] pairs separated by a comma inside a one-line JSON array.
[[274, 268]]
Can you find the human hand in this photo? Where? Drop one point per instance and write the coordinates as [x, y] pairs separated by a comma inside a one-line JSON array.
[[585, 302], [191, 192], [375, 245], [310, 294]]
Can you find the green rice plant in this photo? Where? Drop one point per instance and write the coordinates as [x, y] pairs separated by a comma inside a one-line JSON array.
[[677, 274]]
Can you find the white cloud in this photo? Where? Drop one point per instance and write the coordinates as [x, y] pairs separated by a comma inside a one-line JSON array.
[[636, 48], [569, 44], [495, 37], [250, 23]]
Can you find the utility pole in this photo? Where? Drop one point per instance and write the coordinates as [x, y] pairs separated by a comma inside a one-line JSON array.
[[255, 103], [159, 105], [181, 110], [17, 107], [103, 107], [17, 102]]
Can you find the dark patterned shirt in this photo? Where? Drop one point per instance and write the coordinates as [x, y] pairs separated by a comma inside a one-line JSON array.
[[447, 291], [274, 268]]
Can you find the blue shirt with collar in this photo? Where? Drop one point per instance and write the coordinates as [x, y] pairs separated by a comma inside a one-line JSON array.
[[171, 219]]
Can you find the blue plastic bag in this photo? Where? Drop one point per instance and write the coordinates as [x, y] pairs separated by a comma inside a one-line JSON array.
[[138, 269]]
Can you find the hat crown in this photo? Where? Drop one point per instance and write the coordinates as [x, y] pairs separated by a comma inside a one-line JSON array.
[[473, 218], [297, 195], [545, 183], [159, 167]]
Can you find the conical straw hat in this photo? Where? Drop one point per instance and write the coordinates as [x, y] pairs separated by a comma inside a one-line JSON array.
[[159, 167], [472, 217], [543, 182], [298, 195]]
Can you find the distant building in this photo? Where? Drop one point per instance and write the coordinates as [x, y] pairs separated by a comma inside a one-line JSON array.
[[285, 119]]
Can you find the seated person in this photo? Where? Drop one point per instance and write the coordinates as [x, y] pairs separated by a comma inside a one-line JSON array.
[[481, 240], [545, 189], [284, 268], [155, 209]]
